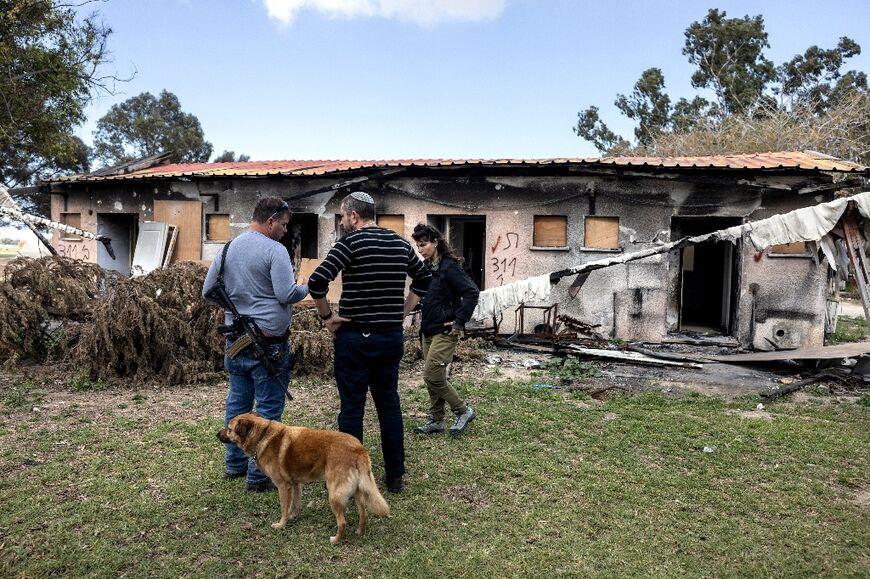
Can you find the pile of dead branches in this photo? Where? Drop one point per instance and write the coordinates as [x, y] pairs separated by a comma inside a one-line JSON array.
[[311, 342], [154, 329], [43, 303]]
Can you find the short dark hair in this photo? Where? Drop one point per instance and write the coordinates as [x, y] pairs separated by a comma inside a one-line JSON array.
[[269, 208], [363, 209]]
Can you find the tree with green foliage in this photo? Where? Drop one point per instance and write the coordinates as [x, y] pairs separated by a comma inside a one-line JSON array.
[[230, 157], [815, 77], [729, 55], [50, 62], [648, 105], [145, 125], [807, 102]]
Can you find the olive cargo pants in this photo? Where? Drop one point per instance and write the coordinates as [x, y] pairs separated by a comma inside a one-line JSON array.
[[437, 354]]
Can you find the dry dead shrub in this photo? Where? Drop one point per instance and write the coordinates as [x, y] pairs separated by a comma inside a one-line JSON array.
[[311, 342], [413, 349], [154, 329], [841, 131], [472, 349], [37, 296]]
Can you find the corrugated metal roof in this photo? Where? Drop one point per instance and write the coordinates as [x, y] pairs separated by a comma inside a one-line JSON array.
[[754, 161], [778, 160]]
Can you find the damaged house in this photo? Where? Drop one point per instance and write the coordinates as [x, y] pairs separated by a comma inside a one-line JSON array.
[[511, 220]]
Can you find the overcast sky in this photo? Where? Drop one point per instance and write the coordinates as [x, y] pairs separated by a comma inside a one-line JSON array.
[[393, 79]]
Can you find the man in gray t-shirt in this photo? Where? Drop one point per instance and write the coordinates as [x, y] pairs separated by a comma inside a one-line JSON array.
[[258, 277]]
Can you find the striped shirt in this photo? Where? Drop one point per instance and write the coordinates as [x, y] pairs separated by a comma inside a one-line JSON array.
[[374, 263]]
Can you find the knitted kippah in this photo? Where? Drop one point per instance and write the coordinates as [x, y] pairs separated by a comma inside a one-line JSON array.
[[364, 197]]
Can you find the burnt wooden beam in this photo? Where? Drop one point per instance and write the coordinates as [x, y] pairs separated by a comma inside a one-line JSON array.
[[855, 245]]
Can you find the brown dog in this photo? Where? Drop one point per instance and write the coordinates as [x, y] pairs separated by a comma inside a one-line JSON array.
[[292, 455]]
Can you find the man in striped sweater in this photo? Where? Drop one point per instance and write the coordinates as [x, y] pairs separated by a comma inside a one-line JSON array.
[[374, 264]]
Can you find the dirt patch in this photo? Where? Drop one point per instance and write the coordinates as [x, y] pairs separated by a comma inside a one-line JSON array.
[[47, 390], [751, 414], [862, 497], [469, 494]]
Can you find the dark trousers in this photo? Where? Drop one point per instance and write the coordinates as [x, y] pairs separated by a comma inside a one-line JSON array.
[[370, 361]]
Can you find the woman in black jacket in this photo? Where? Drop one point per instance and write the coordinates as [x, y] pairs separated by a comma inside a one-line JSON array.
[[447, 306]]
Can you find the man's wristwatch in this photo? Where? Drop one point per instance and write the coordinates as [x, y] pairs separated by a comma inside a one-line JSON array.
[[327, 316]]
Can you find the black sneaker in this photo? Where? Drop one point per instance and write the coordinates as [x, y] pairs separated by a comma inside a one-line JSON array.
[[394, 485], [231, 475], [264, 486]]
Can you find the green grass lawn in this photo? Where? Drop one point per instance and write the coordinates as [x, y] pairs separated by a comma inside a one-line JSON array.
[[849, 329], [544, 483]]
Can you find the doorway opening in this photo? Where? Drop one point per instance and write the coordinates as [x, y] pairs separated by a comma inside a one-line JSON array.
[[708, 276], [467, 235], [301, 238], [121, 228]]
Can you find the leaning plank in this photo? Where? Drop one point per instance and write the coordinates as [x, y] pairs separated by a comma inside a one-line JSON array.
[[821, 353], [663, 355], [633, 357]]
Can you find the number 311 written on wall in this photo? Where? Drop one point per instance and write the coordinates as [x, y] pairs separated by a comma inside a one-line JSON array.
[[502, 267]]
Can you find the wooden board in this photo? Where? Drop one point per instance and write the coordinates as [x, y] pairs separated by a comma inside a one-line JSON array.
[[217, 227], [819, 353], [602, 232], [794, 248], [394, 222], [187, 216], [550, 231], [306, 268], [170, 245]]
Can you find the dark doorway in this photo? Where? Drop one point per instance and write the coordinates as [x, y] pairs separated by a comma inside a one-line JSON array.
[[121, 229], [467, 235], [301, 238], [708, 275]]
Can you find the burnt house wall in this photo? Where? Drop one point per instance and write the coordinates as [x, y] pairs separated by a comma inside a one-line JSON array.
[[777, 298], [782, 295]]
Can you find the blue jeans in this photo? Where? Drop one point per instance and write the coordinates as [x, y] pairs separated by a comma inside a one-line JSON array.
[[250, 382], [366, 361]]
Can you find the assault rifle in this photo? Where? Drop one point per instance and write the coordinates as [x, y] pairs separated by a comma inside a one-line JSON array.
[[251, 335]]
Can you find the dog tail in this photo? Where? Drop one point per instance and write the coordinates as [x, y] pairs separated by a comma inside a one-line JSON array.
[[371, 496]]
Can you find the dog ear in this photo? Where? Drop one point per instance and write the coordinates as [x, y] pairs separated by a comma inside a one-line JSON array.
[[242, 429]]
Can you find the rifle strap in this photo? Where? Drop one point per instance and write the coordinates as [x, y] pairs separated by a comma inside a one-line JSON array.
[[220, 275]]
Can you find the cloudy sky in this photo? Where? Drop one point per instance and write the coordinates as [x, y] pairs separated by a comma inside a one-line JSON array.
[[392, 79]]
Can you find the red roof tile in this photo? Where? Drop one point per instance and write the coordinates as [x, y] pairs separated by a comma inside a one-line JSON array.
[[302, 168]]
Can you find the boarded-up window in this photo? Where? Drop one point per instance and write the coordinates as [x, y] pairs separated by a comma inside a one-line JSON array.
[[794, 248], [550, 231], [394, 222], [601, 232], [217, 227], [73, 220]]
